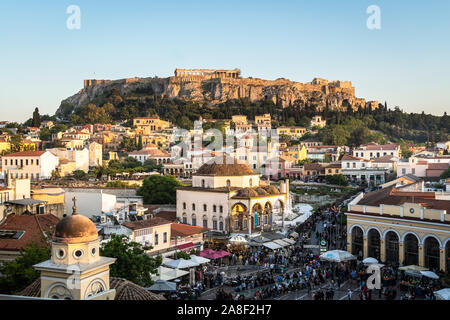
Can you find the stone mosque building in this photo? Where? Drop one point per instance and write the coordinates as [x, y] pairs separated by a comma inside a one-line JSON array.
[[76, 271], [227, 196]]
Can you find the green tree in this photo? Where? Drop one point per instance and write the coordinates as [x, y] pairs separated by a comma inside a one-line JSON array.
[[19, 273], [132, 263], [130, 163], [45, 134], [79, 175], [158, 189], [446, 174], [36, 122], [337, 179]]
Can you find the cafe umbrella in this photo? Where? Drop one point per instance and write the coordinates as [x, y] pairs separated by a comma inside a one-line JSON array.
[[163, 286], [337, 256]]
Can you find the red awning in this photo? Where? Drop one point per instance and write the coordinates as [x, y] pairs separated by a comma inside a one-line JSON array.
[[185, 246]]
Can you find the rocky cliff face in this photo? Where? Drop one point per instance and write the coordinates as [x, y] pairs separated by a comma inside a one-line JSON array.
[[335, 94]]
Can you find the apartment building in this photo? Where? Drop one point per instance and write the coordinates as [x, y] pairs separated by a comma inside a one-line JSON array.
[[34, 165]]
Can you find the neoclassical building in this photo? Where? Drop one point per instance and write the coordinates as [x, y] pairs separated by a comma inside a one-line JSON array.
[[401, 225], [227, 196]]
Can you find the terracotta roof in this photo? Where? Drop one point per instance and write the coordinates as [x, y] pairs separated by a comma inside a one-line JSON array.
[[374, 146], [386, 158], [438, 166], [394, 196], [136, 225], [348, 157], [225, 166], [125, 290], [184, 230], [312, 166], [151, 153], [26, 154], [33, 225], [167, 215]]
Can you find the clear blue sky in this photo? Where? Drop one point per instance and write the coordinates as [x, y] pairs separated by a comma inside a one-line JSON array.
[[405, 63]]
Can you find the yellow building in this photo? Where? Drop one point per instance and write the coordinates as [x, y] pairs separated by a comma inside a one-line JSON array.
[[293, 132], [147, 125], [401, 225], [297, 152], [5, 146], [54, 200]]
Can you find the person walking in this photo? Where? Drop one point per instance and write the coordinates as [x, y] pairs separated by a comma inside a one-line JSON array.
[[349, 294]]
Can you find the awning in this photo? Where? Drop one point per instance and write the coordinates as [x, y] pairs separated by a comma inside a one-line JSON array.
[[25, 202], [271, 245], [186, 245], [281, 243], [289, 241]]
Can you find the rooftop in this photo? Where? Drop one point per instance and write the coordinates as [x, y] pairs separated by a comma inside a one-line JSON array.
[[184, 230], [142, 224], [25, 154], [33, 227]]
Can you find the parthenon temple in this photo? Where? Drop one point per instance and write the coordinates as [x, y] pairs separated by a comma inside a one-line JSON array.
[[208, 73]]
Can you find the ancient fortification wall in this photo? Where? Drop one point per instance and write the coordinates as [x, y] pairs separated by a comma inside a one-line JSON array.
[[218, 85]]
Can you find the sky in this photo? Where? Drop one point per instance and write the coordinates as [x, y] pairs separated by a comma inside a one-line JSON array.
[[405, 62]]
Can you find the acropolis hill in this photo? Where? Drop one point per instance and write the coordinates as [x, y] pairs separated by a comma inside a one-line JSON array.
[[216, 86]]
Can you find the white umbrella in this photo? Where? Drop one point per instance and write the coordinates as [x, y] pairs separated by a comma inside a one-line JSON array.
[[198, 259], [337, 256], [162, 285], [181, 264], [168, 273], [443, 294], [238, 239], [413, 267], [429, 274], [370, 260]]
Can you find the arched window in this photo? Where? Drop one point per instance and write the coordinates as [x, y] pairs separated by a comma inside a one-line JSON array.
[[214, 208], [228, 183], [205, 221], [184, 205], [194, 220], [214, 223], [203, 183], [184, 218], [193, 207], [205, 207], [221, 224]]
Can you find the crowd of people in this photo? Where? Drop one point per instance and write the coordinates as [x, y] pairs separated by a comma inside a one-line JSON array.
[[272, 274]]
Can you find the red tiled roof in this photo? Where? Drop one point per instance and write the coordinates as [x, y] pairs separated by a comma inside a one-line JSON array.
[[312, 166], [136, 225], [348, 157], [184, 230], [438, 166], [26, 154], [33, 225], [168, 215]]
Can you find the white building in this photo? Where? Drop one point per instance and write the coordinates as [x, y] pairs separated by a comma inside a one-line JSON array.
[[154, 153], [34, 165], [421, 166], [79, 157], [359, 169], [374, 150], [227, 196], [317, 121], [89, 202], [95, 154]]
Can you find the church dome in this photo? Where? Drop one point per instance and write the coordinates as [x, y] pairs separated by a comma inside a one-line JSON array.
[[225, 166], [75, 229]]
